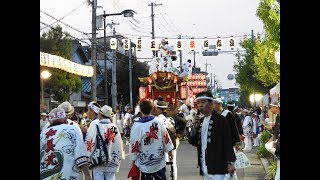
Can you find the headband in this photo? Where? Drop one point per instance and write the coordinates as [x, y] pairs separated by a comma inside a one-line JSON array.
[[162, 106], [94, 108], [204, 97]]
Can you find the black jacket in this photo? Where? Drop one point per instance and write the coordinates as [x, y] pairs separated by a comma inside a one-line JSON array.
[[233, 127], [238, 122], [220, 148]]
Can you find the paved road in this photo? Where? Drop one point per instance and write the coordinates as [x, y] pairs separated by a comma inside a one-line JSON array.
[[187, 168]]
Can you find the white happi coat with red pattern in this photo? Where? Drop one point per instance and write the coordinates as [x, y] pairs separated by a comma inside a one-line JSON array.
[[110, 134], [62, 152], [149, 141]]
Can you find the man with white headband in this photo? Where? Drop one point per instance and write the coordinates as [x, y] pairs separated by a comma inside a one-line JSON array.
[[212, 134], [92, 113], [62, 150]]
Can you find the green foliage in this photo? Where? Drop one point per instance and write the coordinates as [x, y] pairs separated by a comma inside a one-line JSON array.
[[61, 83], [272, 169], [269, 12], [56, 42], [265, 68], [262, 151], [245, 73]]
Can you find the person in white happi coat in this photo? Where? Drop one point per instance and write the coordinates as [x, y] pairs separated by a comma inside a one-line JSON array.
[[149, 141], [255, 129], [111, 136], [186, 69], [165, 58], [69, 110], [92, 115], [247, 130], [183, 108], [43, 120], [169, 123], [63, 153]]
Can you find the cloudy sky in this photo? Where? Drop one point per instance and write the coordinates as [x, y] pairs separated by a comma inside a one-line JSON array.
[[199, 19]]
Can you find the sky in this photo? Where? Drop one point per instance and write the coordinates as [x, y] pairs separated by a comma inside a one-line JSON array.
[[199, 19]]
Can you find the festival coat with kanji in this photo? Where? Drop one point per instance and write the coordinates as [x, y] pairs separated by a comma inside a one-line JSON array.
[[219, 145]]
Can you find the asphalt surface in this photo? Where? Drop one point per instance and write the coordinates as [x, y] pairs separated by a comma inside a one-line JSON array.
[[187, 165]]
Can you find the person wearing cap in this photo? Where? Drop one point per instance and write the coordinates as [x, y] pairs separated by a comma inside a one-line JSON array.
[[111, 136], [69, 110], [63, 152], [169, 123], [255, 129], [275, 109], [247, 127], [212, 137], [43, 120], [149, 141]]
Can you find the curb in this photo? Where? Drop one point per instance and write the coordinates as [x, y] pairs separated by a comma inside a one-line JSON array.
[[265, 164]]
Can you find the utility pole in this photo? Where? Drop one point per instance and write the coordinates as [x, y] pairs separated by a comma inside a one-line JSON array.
[[93, 53], [114, 70], [152, 21], [180, 51], [194, 61], [214, 83], [206, 64], [254, 100], [211, 83], [130, 77], [105, 62], [252, 35]]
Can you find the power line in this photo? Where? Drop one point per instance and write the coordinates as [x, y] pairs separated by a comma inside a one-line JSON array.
[[63, 22], [67, 14], [47, 25]]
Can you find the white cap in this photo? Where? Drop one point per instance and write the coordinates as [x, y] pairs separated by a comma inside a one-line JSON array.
[[106, 111], [245, 110], [68, 108], [43, 114], [218, 100]]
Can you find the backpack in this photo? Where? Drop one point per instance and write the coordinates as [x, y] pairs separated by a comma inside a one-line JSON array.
[[180, 123], [171, 130]]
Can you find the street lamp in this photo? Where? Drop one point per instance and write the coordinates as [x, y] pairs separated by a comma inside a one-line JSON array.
[[255, 98], [125, 13], [43, 75]]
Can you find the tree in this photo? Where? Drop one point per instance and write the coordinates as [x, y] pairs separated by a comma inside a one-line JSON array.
[[266, 69], [265, 66], [269, 12], [139, 69], [245, 73], [61, 83]]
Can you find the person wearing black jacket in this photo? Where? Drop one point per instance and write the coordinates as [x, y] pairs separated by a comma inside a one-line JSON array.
[[217, 103], [213, 140]]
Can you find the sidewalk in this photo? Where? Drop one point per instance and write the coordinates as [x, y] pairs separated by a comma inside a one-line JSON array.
[[257, 170]]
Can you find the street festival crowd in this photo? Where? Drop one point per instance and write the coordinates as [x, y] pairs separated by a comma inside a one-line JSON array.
[[90, 145]]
